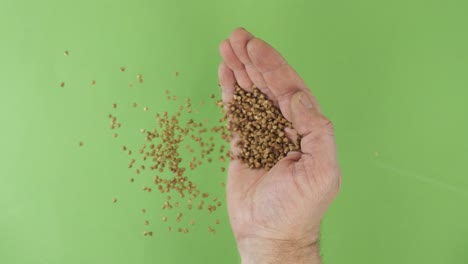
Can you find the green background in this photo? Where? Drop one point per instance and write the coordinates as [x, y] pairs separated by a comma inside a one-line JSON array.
[[392, 75]]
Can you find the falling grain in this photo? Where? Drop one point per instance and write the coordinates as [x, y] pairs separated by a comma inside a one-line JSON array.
[[161, 155], [211, 230], [140, 78]]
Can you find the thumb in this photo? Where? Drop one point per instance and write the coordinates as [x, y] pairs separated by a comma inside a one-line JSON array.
[[314, 128]]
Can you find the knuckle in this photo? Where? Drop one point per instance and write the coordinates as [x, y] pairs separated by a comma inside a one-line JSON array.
[[327, 125], [323, 131], [338, 183]]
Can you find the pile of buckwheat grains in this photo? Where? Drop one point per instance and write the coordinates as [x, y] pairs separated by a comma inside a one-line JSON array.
[[261, 128]]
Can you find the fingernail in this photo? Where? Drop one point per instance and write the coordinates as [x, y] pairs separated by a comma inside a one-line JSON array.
[[304, 99]]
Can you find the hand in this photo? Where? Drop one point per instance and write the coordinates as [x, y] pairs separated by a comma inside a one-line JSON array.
[[275, 215]]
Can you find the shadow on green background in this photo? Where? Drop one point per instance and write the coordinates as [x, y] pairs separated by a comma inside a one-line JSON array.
[[392, 75]]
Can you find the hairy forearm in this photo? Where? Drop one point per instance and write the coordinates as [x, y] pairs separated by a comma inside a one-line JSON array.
[[268, 251]]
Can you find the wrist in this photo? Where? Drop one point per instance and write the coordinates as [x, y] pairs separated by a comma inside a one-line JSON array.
[[272, 251]]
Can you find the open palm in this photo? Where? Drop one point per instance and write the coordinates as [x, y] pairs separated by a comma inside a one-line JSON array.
[[288, 202]]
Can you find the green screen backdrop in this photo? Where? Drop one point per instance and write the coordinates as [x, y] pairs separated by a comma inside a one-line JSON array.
[[392, 75]]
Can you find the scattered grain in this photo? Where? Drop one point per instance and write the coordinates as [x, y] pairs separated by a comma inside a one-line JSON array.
[[140, 78], [211, 230], [162, 155]]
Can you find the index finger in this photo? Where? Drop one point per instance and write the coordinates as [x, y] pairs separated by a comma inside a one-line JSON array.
[[281, 79]]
